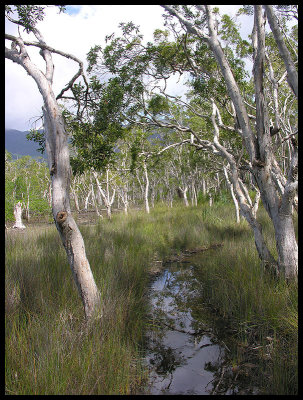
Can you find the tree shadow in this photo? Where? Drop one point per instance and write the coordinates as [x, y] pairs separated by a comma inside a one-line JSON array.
[[235, 233]]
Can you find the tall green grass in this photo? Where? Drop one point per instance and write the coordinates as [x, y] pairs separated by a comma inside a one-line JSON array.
[[50, 351], [261, 309]]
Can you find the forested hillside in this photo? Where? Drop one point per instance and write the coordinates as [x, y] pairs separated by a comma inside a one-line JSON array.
[[17, 144]]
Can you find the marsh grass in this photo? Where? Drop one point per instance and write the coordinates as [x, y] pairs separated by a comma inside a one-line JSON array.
[[50, 351], [261, 309]]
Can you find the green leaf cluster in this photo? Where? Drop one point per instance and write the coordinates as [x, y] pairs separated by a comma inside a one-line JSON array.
[[28, 15], [38, 137], [158, 104]]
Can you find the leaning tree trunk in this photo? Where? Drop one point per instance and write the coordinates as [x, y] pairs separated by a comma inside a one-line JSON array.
[[58, 159], [247, 209], [259, 148], [292, 75], [279, 209], [60, 171]]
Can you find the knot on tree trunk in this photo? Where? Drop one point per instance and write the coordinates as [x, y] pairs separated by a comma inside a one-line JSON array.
[[61, 216]]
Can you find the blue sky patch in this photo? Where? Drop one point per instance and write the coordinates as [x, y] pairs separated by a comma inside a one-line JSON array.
[[72, 10]]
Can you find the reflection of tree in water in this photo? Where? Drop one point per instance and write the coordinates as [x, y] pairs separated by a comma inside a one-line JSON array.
[[178, 307], [226, 382], [166, 359], [224, 379]]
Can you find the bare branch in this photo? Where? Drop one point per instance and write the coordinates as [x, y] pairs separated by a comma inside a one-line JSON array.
[[43, 46], [191, 28], [289, 64]]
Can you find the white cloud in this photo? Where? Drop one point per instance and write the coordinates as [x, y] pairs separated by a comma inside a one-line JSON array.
[[74, 33]]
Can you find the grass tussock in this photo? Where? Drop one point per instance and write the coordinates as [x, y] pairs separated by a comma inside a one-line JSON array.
[[50, 351]]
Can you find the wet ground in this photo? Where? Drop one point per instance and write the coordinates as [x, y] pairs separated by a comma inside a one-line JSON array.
[[185, 355]]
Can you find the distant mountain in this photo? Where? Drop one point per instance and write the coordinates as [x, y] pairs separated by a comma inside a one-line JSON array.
[[17, 144]]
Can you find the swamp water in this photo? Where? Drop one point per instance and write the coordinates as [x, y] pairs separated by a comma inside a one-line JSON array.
[[185, 353]]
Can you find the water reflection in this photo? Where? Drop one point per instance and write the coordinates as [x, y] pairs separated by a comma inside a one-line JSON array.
[[184, 355]]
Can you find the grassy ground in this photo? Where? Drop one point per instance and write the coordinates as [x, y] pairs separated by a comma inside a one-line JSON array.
[[48, 349]]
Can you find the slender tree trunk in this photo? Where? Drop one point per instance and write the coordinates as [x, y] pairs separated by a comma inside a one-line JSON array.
[[123, 194], [183, 195], [210, 199], [18, 216], [152, 197], [106, 197], [203, 186], [60, 171], [286, 245], [261, 156], [146, 188], [86, 201], [194, 200], [140, 184], [109, 211], [256, 203], [58, 156], [76, 200], [230, 186], [125, 202], [289, 64], [95, 202]]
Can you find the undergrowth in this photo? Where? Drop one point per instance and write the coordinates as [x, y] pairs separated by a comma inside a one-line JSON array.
[[49, 350]]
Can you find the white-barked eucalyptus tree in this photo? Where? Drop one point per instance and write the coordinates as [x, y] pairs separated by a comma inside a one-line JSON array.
[[58, 162]]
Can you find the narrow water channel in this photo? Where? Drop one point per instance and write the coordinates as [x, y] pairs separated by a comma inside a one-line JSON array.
[[183, 353]]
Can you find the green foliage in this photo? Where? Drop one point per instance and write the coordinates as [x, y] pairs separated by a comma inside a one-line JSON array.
[[229, 32], [38, 137], [222, 197], [134, 151], [94, 142], [158, 104], [92, 57], [246, 10], [26, 178], [160, 35], [9, 206], [28, 15]]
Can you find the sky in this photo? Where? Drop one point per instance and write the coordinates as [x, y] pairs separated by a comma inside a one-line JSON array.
[[75, 32]]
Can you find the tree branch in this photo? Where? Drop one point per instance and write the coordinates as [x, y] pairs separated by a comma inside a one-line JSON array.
[[289, 64], [44, 46], [191, 28]]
